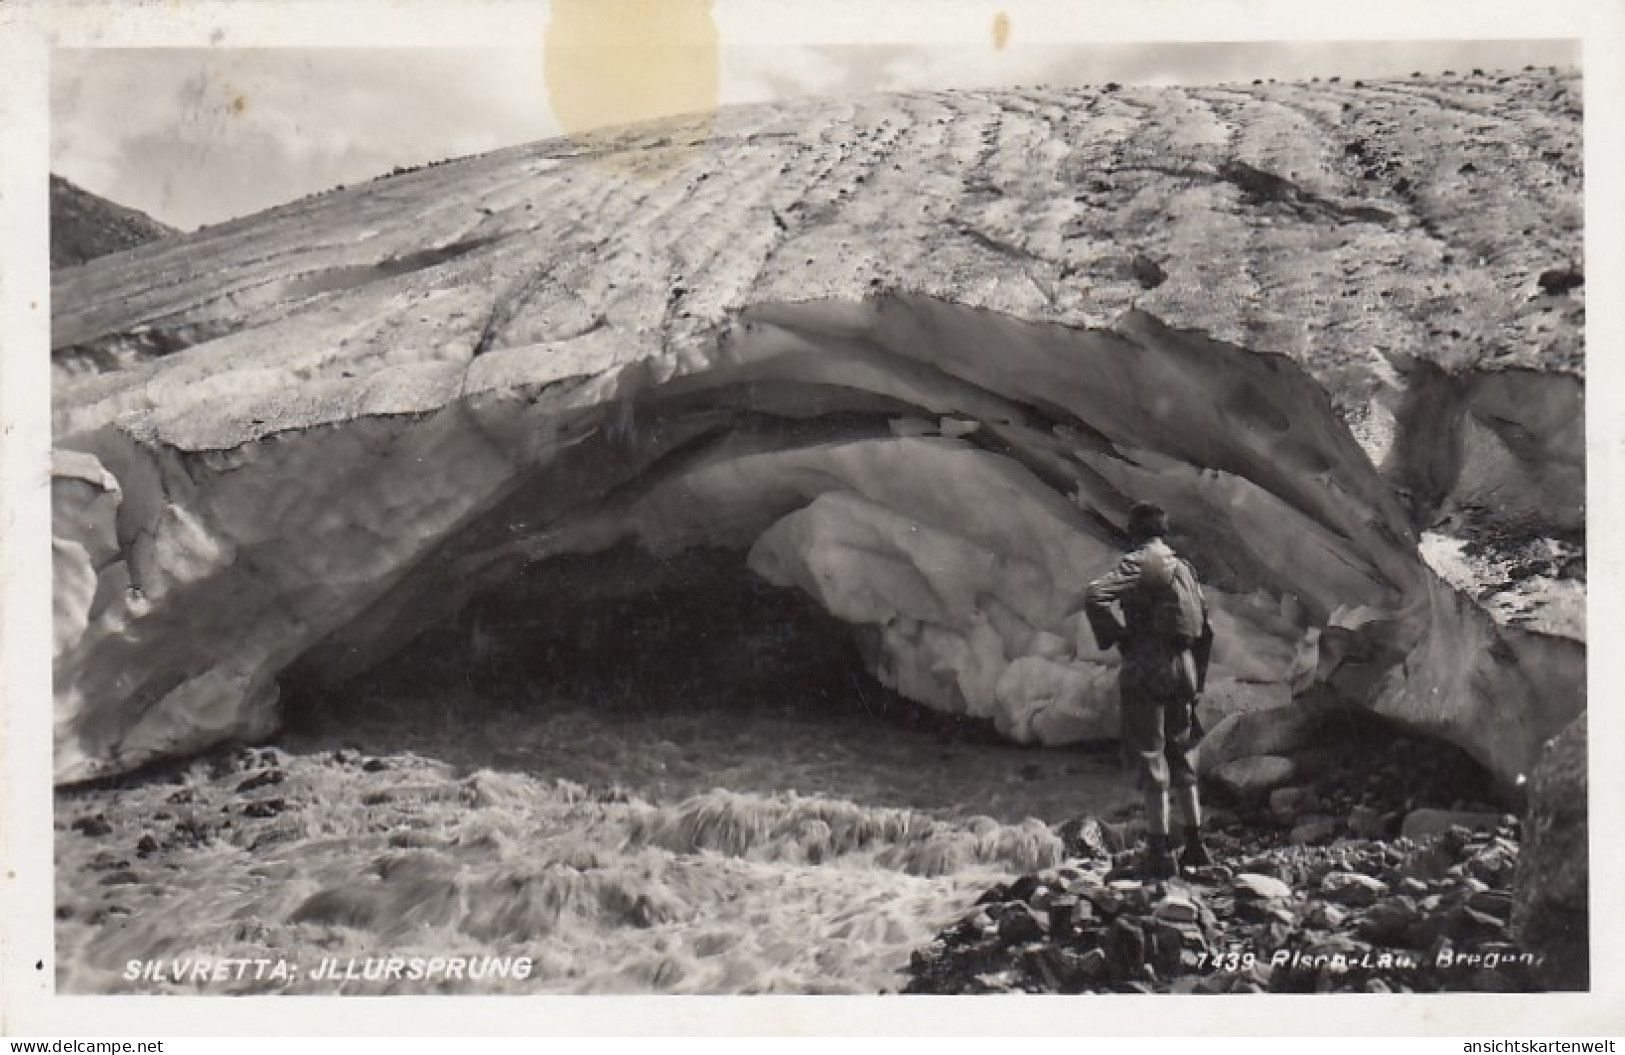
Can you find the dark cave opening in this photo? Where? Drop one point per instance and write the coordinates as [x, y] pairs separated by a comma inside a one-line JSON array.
[[631, 634], [662, 678]]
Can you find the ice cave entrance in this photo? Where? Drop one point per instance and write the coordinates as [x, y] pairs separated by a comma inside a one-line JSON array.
[[668, 677], [627, 634]]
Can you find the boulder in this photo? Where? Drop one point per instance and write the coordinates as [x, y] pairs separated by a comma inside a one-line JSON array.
[[1326, 916], [1253, 777], [1472, 928], [92, 827], [1019, 923], [1551, 890], [1063, 913], [1176, 909], [1125, 946], [1252, 886], [1314, 828], [1559, 280], [1060, 970], [1088, 836], [1352, 889], [1286, 802], [1497, 903], [1390, 921], [1225, 696], [1427, 823], [1147, 272], [1273, 731], [1366, 823], [1166, 941], [1495, 862], [1022, 889]]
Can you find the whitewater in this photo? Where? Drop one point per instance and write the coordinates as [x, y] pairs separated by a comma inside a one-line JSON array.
[[612, 829]]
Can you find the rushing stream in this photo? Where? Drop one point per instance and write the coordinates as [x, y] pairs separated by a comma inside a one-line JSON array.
[[695, 790]]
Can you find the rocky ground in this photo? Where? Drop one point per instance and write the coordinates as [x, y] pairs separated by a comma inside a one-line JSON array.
[[1387, 864], [1356, 915], [1347, 883]]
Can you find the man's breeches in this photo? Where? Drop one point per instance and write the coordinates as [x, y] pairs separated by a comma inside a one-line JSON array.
[[1157, 697]]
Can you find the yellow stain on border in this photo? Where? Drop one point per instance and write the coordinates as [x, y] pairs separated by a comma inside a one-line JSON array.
[[1001, 31], [615, 62]]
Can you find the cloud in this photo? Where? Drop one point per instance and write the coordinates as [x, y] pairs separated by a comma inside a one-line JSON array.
[[195, 136], [756, 75], [198, 135]]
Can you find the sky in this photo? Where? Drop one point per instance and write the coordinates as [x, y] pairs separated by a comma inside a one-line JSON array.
[[198, 135]]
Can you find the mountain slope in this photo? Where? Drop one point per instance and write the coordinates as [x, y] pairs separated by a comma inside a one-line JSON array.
[[1331, 223], [85, 226]]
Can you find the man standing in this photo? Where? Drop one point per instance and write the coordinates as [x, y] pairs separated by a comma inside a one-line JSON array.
[[1163, 635]]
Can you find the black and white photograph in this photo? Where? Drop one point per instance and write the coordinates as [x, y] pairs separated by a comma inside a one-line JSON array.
[[629, 507]]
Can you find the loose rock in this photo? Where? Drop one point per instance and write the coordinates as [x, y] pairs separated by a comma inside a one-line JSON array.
[[1561, 280], [1254, 776], [1365, 822], [1314, 829], [94, 827], [1019, 923], [1261, 887], [1426, 823], [1176, 909], [1352, 888], [1287, 802]]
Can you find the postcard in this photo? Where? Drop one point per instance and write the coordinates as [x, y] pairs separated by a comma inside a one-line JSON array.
[[779, 512]]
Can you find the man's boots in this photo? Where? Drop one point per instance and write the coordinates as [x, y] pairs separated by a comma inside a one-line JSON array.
[[1160, 862], [1195, 855]]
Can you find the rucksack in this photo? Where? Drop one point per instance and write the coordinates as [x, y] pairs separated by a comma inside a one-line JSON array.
[[1169, 597]]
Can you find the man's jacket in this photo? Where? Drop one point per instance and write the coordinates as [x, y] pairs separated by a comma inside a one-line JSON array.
[[1119, 589]]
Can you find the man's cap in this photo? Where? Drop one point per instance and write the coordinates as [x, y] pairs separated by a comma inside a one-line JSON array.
[[1147, 520]]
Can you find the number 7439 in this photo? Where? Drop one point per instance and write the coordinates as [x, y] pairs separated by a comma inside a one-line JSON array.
[[1226, 960]]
